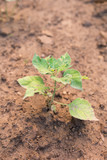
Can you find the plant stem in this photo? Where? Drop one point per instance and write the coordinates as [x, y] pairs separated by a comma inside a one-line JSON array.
[[61, 103], [53, 94]]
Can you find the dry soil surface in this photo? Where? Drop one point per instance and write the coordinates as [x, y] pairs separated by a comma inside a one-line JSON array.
[[28, 131]]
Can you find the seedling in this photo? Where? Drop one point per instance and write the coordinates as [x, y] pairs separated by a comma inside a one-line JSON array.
[[79, 108]]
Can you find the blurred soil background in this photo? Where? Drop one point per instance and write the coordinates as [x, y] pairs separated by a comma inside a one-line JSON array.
[[52, 27]]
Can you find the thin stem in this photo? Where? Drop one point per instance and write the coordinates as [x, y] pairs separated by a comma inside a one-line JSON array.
[[53, 94], [61, 103]]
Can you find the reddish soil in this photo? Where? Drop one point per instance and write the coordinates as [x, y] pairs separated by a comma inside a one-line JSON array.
[[28, 131]]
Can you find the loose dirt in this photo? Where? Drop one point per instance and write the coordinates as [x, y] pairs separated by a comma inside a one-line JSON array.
[[28, 131]]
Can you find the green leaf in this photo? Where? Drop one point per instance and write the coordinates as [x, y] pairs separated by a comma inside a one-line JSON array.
[[85, 77], [65, 80], [64, 62], [50, 64], [30, 81], [53, 63], [47, 58], [53, 108], [82, 109], [72, 77], [33, 84], [59, 64], [66, 59], [29, 92], [75, 78], [41, 64], [49, 94]]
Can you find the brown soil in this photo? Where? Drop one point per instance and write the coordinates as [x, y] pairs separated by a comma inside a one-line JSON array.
[[28, 131]]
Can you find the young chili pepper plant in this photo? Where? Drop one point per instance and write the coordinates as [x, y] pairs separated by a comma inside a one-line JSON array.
[[79, 108]]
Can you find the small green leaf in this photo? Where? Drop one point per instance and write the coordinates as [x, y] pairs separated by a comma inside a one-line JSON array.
[[47, 58], [30, 81], [75, 77], [49, 94], [59, 64], [64, 62], [29, 92], [53, 64], [66, 59], [33, 84], [65, 80], [85, 77], [72, 77], [41, 65], [53, 108], [82, 109]]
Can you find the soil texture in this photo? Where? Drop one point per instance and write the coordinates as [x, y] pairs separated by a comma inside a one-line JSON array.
[[28, 130]]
